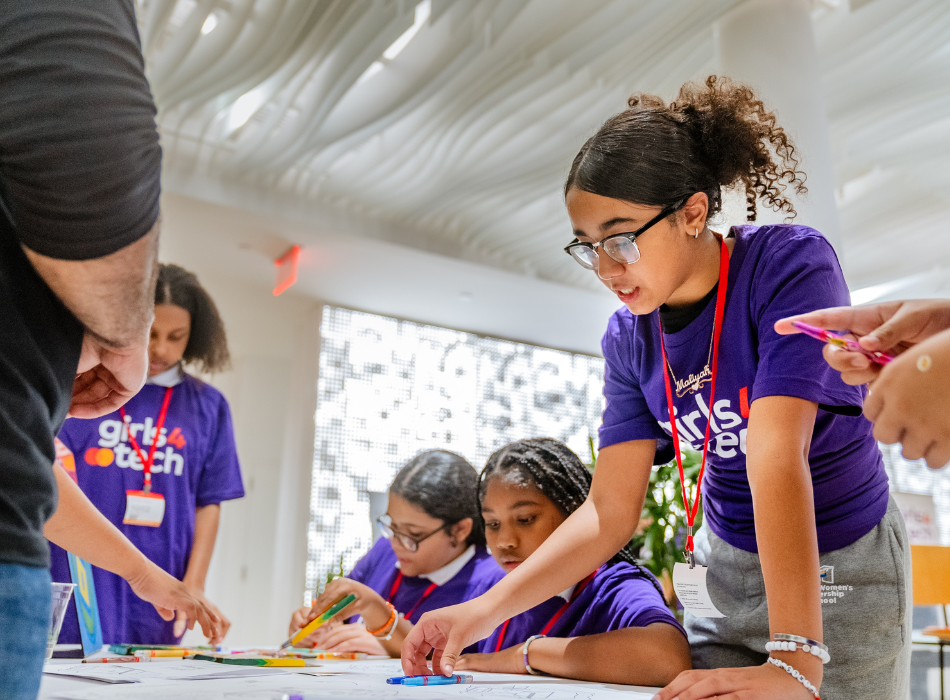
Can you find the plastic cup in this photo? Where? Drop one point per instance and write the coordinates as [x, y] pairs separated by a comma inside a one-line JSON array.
[[61, 594]]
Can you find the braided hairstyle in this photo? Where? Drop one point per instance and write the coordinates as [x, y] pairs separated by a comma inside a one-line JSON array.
[[444, 485], [713, 136], [552, 468]]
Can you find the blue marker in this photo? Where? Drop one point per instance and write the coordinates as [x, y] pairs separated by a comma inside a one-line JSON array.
[[454, 679]]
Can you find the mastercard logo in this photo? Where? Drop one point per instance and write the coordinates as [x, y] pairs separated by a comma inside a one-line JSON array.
[[99, 456]]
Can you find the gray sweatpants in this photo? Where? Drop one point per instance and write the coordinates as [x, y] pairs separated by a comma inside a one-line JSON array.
[[866, 610]]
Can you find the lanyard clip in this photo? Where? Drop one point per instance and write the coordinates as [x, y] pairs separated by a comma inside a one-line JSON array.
[[690, 558]]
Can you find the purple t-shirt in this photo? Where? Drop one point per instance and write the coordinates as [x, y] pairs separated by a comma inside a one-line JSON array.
[[377, 569], [774, 272], [619, 596], [196, 464]]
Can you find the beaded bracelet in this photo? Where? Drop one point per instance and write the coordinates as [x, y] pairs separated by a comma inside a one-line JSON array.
[[381, 633], [524, 653], [792, 642], [796, 675]]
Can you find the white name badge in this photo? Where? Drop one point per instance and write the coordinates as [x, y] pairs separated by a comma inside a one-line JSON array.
[[144, 508], [690, 587]]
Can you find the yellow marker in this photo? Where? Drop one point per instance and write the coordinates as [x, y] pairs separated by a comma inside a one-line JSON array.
[[318, 621], [179, 653]]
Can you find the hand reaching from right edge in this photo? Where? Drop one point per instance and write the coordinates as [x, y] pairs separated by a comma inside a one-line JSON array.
[[891, 328]]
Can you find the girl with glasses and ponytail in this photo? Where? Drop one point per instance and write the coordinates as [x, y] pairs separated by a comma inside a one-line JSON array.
[[432, 554], [801, 549]]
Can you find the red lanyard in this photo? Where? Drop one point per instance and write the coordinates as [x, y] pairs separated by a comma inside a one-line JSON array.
[[425, 595], [147, 462], [557, 616], [693, 508]]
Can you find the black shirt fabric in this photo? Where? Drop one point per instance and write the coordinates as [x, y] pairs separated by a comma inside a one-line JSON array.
[[79, 179], [676, 318]]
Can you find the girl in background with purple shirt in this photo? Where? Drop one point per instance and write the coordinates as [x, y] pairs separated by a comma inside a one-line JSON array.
[[433, 555], [613, 626], [194, 464], [799, 535]]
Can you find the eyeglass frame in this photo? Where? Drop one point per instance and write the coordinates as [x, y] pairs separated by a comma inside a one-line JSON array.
[[403, 537], [632, 236]]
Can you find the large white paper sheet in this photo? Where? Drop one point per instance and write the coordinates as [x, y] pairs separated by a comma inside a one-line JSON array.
[[162, 672], [367, 683]]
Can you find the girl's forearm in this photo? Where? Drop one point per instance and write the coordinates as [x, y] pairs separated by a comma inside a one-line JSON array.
[[783, 504], [78, 527], [589, 537], [651, 656], [207, 519]]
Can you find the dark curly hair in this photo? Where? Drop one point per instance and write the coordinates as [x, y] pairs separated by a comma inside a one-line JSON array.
[[207, 343], [444, 485], [552, 468], [713, 136]]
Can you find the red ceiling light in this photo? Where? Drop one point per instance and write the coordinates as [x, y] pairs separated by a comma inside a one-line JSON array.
[[286, 270]]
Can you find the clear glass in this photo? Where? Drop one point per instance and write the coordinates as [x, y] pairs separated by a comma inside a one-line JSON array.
[[61, 594]]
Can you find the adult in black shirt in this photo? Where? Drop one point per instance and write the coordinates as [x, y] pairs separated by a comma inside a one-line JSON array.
[[79, 189]]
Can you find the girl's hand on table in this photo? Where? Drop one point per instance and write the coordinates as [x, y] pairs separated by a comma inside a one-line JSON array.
[[509, 660], [445, 632], [765, 682], [348, 638]]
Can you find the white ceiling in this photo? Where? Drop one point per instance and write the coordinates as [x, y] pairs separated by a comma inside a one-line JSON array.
[[459, 145]]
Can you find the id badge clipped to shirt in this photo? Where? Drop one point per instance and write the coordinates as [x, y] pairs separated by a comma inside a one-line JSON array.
[[143, 508]]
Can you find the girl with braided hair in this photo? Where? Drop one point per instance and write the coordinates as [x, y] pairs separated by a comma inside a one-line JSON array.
[[801, 549], [613, 626]]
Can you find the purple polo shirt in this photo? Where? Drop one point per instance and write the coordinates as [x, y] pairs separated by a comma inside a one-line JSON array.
[[774, 272], [377, 569], [619, 596], [196, 464]]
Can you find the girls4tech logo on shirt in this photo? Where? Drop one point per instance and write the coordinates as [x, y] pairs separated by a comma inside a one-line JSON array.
[[727, 434], [115, 447]]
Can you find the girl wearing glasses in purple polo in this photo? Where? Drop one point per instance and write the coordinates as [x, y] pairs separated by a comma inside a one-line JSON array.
[[433, 555], [801, 550]]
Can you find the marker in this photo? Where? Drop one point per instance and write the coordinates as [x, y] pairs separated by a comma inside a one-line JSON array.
[[318, 621], [454, 679], [157, 653], [112, 660], [339, 655], [238, 661], [840, 341]]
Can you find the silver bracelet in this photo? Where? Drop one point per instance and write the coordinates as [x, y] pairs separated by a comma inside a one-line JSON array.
[[796, 675], [524, 653], [792, 642]]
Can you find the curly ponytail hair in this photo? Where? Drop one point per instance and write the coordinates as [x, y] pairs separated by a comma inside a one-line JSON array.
[[552, 468], [713, 136], [207, 344]]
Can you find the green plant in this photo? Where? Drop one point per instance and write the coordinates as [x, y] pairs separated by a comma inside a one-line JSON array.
[[661, 537], [334, 572]]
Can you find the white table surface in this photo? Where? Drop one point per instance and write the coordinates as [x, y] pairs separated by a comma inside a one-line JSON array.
[[52, 685]]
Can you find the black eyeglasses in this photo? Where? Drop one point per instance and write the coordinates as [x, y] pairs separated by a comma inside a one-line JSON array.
[[621, 247], [411, 543]]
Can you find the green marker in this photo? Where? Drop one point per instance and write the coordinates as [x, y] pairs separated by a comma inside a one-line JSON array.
[[238, 661], [318, 621]]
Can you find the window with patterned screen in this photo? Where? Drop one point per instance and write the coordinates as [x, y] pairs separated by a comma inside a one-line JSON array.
[[390, 388]]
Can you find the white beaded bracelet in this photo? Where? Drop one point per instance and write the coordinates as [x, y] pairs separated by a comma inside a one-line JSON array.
[[792, 642], [796, 675]]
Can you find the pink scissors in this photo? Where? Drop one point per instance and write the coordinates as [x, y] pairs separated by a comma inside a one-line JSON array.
[[840, 341]]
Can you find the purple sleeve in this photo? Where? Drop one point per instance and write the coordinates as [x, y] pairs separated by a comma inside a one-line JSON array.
[[626, 415], [799, 276], [631, 601], [221, 474]]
